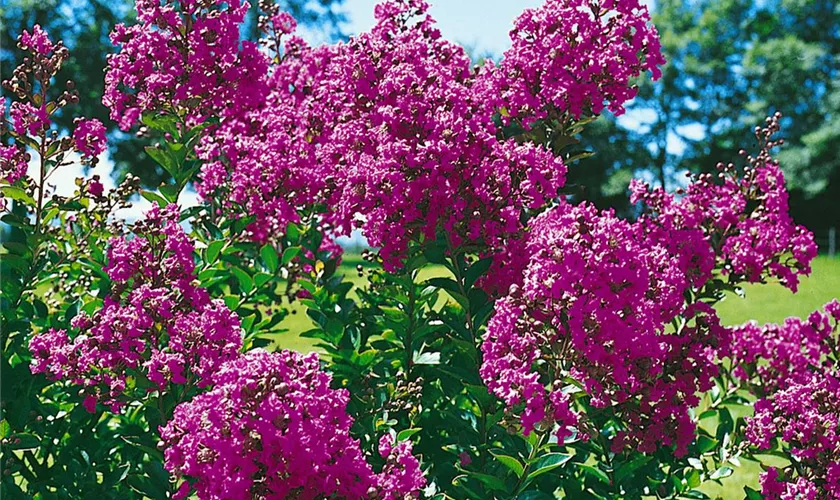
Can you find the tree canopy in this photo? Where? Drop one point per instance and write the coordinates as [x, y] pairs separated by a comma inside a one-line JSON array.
[[730, 63]]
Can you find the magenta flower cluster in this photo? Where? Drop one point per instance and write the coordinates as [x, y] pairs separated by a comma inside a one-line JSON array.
[[182, 55], [36, 41], [388, 132], [392, 132], [754, 235], [807, 418], [795, 367], [271, 427], [576, 57], [594, 303], [28, 119], [89, 137], [777, 355], [155, 323], [597, 296], [13, 163]]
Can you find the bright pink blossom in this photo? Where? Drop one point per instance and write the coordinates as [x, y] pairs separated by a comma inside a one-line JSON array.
[[594, 304], [155, 322], [779, 355], [806, 417], [89, 137], [183, 58], [745, 217], [272, 427], [574, 56], [37, 41], [29, 120], [13, 163]]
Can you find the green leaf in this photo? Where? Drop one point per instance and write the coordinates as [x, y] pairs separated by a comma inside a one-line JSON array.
[[306, 285], [407, 433], [693, 478], [268, 254], [510, 462], [492, 482], [292, 232], [435, 254], [595, 473], [546, 463], [164, 159], [153, 197], [628, 469], [476, 271], [18, 194], [534, 495], [451, 288], [170, 192], [753, 494], [24, 442], [5, 429], [289, 254], [426, 358], [481, 394], [161, 123], [706, 444], [245, 281], [261, 279], [231, 301], [721, 473], [213, 251]]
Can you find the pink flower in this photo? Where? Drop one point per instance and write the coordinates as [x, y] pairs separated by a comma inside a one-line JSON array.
[[95, 188], [806, 417], [271, 426], [89, 137], [600, 293], [183, 58], [13, 163], [156, 321], [575, 56], [29, 120], [36, 41]]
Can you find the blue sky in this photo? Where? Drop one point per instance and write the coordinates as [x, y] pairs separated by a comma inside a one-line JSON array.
[[482, 25]]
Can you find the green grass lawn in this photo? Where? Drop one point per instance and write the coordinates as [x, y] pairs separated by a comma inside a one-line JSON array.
[[773, 303], [763, 303]]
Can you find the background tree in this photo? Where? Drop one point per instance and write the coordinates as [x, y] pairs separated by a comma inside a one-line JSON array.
[[731, 62]]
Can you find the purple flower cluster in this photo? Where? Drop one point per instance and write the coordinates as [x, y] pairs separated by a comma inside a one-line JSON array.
[[36, 41], [574, 56], [89, 137], [593, 305], [13, 163], [777, 355], [754, 235], [156, 323], [271, 427], [395, 134], [28, 119], [806, 417], [613, 304], [183, 57], [795, 367]]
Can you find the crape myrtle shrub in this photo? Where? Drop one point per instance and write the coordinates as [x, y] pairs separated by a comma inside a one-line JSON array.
[[559, 350]]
